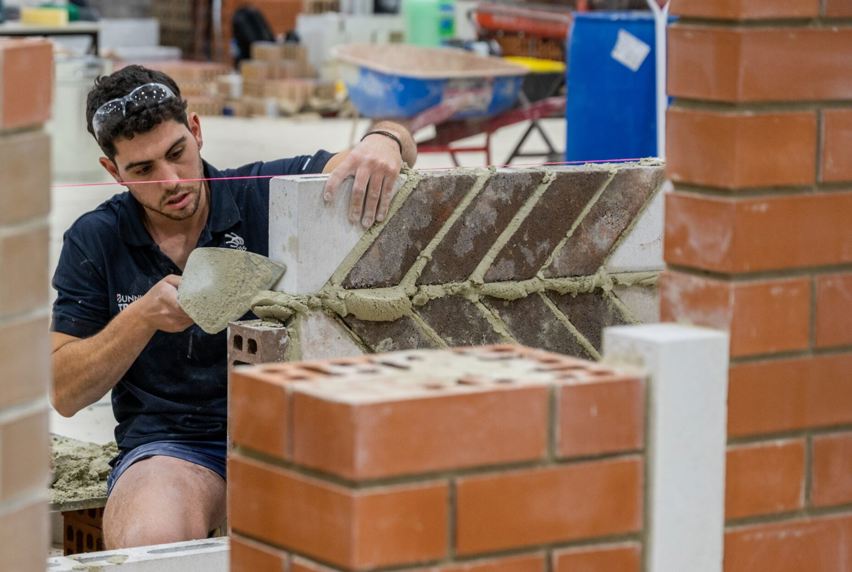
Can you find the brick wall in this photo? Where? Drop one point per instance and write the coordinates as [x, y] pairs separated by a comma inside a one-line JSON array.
[[541, 257], [477, 460], [26, 72], [759, 242]]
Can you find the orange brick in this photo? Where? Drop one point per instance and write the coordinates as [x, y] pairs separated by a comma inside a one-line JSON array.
[[249, 556], [745, 9], [604, 417], [838, 8], [625, 557], [789, 394], [355, 529], [540, 506], [522, 563], [24, 537], [834, 310], [298, 564], [26, 83], [759, 64], [386, 438], [812, 545], [741, 150], [756, 234], [832, 469], [24, 360], [836, 165], [768, 316], [24, 259], [24, 180], [259, 412], [24, 455], [764, 478]]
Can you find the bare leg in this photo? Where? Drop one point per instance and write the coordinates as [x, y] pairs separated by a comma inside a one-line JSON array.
[[163, 499]]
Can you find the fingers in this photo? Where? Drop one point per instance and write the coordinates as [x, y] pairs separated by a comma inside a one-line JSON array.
[[388, 192], [173, 279], [359, 190], [374, 195], [332, 185]]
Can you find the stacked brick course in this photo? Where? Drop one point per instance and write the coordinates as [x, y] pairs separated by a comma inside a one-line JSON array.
[[26, 76], [441, 460], [759, 243]]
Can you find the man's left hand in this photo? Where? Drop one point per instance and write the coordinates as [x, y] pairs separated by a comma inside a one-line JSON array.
[[375, 163]]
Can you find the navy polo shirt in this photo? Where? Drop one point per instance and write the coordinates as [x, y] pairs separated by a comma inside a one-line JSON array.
[[177, 387]]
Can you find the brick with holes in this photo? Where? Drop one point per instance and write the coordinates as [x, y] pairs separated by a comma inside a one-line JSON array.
[[256, 341]]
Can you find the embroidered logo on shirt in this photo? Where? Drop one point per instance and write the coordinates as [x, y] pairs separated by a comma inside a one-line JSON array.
[[235, 241]]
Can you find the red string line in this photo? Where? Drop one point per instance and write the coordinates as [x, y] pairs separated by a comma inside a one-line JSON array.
[[248, 177]]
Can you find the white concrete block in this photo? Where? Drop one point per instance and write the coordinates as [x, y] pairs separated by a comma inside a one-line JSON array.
[[687, 396], [311, 237], [320, 338], [642, 301], [207, 555], [642, 249]]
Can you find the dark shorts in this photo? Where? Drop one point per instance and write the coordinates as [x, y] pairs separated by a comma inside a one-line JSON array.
[[209, 454]]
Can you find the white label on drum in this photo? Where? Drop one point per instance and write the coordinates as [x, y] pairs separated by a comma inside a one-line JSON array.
[[630, 51]]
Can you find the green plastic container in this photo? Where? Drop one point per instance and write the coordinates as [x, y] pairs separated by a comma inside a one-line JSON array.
[[429, 22]]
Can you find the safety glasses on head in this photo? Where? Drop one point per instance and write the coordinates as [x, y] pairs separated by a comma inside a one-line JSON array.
[[144, 95]]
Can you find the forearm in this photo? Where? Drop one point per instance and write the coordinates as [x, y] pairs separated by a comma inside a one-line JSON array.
[[85, 370], [409, 147]]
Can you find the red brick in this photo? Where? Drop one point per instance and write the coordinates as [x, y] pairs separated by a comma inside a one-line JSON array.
[[764, 478], [812, 545], [298, 564], [741, 150], [624, 557], [832, 470], [789, 394], [24, 537], [24, 180], [259, 412], [522, 563], [604, 417], [249, 556], [26, 251], [540, 506], [387, 438], [833, 310], [836, 165], [24, 455], [24, 360], [768, 316], [759, 64], [838, 8], [355, 529], [757, 234], [745, 9], [26, 87]]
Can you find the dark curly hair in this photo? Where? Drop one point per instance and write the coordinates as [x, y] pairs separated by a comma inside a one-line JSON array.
[[139, 119]]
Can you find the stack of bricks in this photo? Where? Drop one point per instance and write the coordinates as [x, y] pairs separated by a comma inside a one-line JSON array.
[[280, 15], [759, 242], [277, 79], [198, 82], [26, 83], [498, 458]]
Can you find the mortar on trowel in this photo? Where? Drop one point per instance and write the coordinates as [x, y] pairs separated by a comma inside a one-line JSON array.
[[218, 285]]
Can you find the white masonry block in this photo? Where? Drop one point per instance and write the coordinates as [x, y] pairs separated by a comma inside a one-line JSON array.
[[687, 416], [642, 301], [309, 236], [321, 338], [642, 249], [207, 555]]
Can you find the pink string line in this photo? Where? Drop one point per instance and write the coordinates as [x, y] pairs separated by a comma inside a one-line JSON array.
[[248, 177]]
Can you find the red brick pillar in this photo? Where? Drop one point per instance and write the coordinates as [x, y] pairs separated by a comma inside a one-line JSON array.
[[758, 241], [26, 76], [497, 459]]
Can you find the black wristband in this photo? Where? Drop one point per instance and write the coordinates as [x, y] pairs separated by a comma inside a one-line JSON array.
[[386, 134]]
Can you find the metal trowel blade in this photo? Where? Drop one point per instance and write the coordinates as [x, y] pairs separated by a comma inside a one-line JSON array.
[[218, 285]]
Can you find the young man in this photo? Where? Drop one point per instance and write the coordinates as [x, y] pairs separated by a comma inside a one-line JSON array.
[[116, 321]]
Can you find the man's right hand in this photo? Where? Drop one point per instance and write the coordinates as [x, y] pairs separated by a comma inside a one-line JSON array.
[[160, 308]]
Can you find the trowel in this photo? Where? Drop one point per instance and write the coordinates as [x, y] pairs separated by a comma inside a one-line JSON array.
[[218, 285]]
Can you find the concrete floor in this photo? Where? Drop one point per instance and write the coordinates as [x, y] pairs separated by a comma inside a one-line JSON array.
[[230, 142]]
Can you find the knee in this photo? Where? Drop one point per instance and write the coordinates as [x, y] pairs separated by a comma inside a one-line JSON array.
[[143, 531]]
